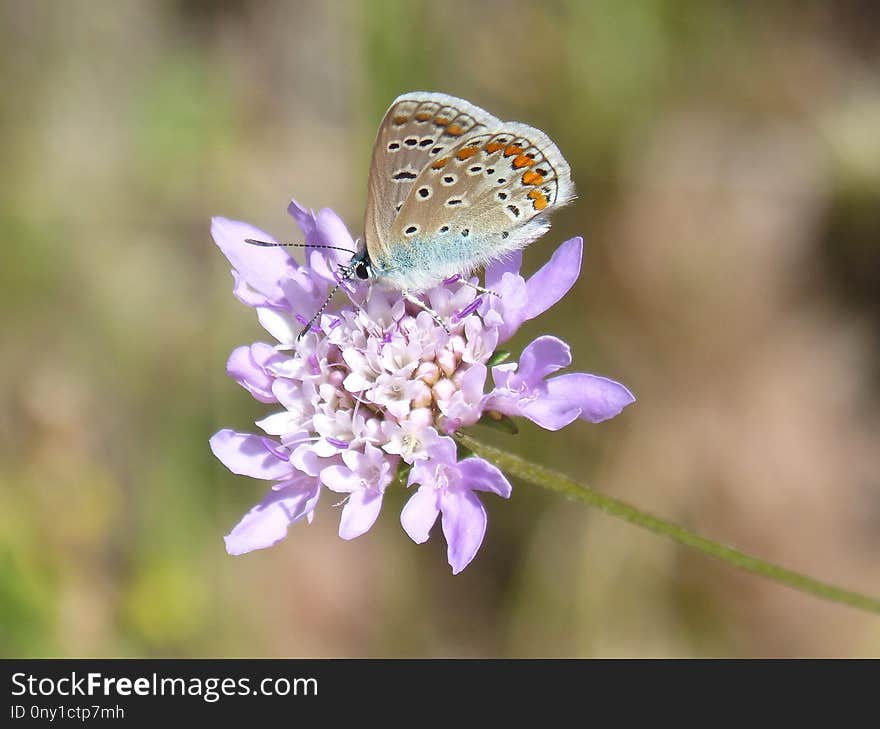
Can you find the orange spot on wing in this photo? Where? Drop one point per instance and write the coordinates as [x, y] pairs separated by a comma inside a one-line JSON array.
[[423, 116], [455, 130], [512, 150], [539, 199], [440, 163], [493, 147], [400, 119], [441, 121], [466, 153], [531, 178], [523, 161]]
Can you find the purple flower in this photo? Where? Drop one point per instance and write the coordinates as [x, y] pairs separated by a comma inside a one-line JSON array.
[[411, 439], [464, 406], [364, 478], [324, 228], [378, 383], [257, 279], [251, 367], [447, 487], [520, 389], [519, 300], [292, 497]]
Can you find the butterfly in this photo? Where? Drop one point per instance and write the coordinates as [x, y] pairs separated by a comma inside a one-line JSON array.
[[451, 188]]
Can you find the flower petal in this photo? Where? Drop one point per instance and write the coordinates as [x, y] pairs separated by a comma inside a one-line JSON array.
[[551, 413], [506, 311], [247, 455], [331, 231], [597, 397], [266, 524], [260, 268], [480, 475], [419, 514], [306, 460], [466, 406], [304, 292], [277, 324], [289, 393], [502, 401], [554, 279], [503, 373], [481, 340], [326, 228], [341, 479], [247, 366], [360, 513], [464, 526], [544, 355], [247, 295], [442, 450], [283, 423], [305, 219], [510, 263], [413, 441], [473, 381]]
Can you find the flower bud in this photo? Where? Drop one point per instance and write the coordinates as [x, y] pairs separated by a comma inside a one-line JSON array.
[[422, 396], [421, 416], [428, 372], [446, 360], [457, 345], [444, 390]]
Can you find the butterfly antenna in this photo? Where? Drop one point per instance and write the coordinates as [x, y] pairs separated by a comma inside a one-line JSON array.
[[344, 276], [318, 313], [268, 244]]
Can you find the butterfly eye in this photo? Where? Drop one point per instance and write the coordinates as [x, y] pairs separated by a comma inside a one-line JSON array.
[[361, 271]]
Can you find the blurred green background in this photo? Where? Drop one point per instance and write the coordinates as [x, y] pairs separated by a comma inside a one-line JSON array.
[[727, 157]]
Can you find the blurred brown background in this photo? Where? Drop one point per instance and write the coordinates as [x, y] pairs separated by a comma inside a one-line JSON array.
[[727, 157]]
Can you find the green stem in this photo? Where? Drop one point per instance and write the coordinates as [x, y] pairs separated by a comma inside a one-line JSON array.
[[554, 481]]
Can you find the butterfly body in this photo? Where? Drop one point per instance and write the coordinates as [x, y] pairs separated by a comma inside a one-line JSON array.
[[453, 188], [420, 263]]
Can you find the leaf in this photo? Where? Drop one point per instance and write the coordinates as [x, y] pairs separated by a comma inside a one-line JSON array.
[[402, 474], [498, 356]]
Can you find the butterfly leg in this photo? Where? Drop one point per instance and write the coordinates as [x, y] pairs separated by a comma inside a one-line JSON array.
[[376, 331], [475, 287], [480, 289], [424, 307]]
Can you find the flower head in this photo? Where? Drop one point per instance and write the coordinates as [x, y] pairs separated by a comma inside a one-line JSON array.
[[377, 386]]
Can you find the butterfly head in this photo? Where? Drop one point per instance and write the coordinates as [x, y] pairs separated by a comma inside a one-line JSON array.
[[360, 267]]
